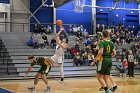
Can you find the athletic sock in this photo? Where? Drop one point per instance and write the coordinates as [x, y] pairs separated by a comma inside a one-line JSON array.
[[62, 79]]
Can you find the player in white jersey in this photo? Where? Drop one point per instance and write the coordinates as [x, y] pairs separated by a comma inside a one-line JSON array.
[[59, 53]]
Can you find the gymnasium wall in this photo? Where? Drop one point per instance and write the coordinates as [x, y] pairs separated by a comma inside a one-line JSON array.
[[69, 16], [108, 17], [5, 1], [44, 14]]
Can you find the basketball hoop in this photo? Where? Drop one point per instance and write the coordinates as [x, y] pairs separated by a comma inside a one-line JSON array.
[[79, 6]]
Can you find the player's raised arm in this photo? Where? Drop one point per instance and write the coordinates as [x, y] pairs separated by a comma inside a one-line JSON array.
[[58, 35]]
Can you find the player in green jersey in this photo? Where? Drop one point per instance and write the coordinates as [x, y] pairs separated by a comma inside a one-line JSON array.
[[45, 66], [106, 52]]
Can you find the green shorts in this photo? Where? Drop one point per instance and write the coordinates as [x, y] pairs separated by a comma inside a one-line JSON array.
[[105, 66], [45, 69]]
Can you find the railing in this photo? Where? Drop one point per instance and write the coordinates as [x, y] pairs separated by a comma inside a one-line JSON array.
[[29, 27], [3, 57]]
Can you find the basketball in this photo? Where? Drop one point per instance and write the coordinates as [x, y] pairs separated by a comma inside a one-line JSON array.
[[59, 22]]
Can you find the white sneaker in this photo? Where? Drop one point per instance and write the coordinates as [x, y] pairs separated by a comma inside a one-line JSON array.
[[48, 89], [31, 88]]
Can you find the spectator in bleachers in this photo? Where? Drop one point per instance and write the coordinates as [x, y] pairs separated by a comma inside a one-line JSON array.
[[77, 60], [73, 50], [94, 48], [77, 46], [88, 42], [120, 67], [138, 34], [125, 66], [134, 48], [85, 34], [44, 37], [138, 55], [90, 57], [53, 42], [88, 49], [79, 36], [35, 28], [85, 58], [41, 43], [48, 29], [75, 30], [81, 29], [41, 29], [70, 30], [30, 42]]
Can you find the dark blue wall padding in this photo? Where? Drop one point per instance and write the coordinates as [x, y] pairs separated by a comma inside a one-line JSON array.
[[108, 17], [5, 1], [69, 16], [44, 14]]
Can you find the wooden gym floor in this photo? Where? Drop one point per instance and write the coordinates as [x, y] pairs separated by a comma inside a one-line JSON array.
[[74, 85]]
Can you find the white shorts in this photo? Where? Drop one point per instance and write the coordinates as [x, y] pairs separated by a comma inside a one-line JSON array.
[[57, 58]]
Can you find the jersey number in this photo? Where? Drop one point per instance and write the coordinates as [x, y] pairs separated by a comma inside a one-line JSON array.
[[108, 48]]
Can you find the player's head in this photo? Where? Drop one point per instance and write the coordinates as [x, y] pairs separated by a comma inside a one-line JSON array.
[[105, 34], [32, 59]]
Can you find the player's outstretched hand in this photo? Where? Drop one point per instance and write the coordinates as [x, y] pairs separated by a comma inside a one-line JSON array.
[[92, 63]]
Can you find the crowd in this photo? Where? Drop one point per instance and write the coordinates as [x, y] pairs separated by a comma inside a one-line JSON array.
[[87, 46]]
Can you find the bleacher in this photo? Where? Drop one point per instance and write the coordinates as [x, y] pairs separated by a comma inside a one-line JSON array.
[[17, 53]]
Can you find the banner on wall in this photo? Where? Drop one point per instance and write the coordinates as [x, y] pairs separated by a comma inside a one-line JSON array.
[[5, 1]]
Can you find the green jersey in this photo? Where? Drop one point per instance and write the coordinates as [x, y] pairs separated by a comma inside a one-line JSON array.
[[40, 61], [108, 47]]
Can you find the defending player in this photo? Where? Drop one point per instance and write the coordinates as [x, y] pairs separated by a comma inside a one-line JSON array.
[[43, 71], [59, 53], [105, 54]]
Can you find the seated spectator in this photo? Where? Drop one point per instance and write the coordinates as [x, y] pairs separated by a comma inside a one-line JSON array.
[[94, 48], [73, 50], [77, 60], [81, 29], [44, 37], [48, 30], [53, 42], [41, 29], [75, 30], [90, 57], [88, 42], [138, 55], [41, 43], [35, 28], [85, 34], [120, 67], [36, 38], [79, 36], [70, 30], [30, 42], [125, 66], [138, 34], [77, 46], [88, 49], [85, 58]]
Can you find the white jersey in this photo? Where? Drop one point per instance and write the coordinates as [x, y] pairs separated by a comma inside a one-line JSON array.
[[59, 51]]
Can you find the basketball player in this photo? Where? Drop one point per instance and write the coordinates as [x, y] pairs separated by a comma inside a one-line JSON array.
[[43, 71], [59, 53], [107, 51]]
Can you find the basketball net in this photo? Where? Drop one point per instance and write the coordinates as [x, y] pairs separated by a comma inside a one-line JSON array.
[[79, 6]]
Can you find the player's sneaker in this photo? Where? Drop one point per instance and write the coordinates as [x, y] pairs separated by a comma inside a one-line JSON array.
[[114, 88], [101, 89], [48, 89], [31, 88], [108, 91]]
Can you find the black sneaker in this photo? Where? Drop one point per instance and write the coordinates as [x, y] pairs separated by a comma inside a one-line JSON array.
[[114, 88], [101, 89]]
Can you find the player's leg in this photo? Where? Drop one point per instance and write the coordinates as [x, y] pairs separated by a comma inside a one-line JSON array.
[[113, 84], [101, 81], [60, 63], [61, 71], [44, 73], [35, 82]]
